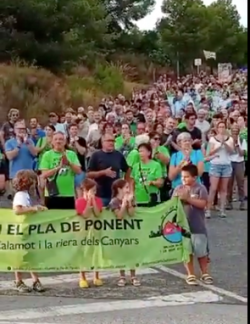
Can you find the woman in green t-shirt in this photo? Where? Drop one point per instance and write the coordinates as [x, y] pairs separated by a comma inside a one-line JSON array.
[[125, 142], [148, 177], [44, 143], [161, 155]]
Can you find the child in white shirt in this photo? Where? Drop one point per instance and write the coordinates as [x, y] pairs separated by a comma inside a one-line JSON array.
[[22, 204]]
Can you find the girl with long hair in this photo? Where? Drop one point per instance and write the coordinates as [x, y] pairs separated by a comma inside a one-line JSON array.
[[122, 204], [23, 183], [221, 145]]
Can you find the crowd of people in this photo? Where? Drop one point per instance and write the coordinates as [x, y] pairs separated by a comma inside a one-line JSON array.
[[186, 137]]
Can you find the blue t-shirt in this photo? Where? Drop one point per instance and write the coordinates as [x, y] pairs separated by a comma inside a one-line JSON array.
[[23, 161], [196, 156], [207, 163], [39, 134]]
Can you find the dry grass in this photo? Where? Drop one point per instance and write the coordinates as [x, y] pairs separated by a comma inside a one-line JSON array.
[[36, 92]]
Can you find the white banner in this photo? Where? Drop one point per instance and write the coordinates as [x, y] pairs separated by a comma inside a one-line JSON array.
[[224, 71]]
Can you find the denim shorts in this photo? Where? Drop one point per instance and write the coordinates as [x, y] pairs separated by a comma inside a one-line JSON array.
[[221, 170], [199, 245]]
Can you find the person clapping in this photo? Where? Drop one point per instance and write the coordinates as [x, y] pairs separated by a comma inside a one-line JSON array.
[[87, 206], [122, 205]]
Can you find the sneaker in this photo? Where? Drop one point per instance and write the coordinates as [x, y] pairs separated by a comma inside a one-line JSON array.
[[21, 287], [223, 214], [83, 283], [208, 214], [242, 205], [37, 286], [229, 206], [98, 282]]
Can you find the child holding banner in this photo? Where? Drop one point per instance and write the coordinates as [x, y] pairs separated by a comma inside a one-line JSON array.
[[122, 204], [87, 206], [22, 204], [194, 197]]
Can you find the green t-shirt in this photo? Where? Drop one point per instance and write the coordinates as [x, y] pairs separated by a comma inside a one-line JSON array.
[[243, 136], [124, 148], [133, 158], [66, 177], [133, 127], [165, 152], [182, 125], [143, 173], [40, 143]]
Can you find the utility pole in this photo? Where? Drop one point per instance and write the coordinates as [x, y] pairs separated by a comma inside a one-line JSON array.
[[177, 65]]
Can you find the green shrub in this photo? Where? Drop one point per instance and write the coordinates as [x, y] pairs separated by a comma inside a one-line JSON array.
[[109, 78], [36, 92]]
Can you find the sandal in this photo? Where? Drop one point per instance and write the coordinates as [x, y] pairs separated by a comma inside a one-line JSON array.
[[121, 282], [135, 282], [207, 279], [191, 280]]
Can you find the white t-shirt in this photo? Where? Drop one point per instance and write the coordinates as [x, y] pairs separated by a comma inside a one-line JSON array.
[[222, 155], [93, 128], [22, 198], [203, 126], [235, 157]]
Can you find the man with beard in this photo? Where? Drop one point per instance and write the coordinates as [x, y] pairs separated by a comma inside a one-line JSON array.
[[129, 118]]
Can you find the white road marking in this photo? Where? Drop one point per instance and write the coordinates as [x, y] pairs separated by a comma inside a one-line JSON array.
[[100, 307], [69, 278], [216, 289], [25, 323]]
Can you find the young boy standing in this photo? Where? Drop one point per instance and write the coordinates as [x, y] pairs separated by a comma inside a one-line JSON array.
[[194, 197]]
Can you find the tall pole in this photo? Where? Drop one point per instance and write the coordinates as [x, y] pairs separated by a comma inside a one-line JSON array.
[[178, 65]]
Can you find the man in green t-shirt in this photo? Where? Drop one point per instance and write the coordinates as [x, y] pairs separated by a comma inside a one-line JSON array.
[[60, 166]]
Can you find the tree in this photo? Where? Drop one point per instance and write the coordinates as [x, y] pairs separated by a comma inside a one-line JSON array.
[[124, 13], [50, 32], [190, 27], [225, 34], [183, 29]]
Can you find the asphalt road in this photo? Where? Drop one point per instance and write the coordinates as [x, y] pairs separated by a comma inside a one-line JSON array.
[[163, 296]]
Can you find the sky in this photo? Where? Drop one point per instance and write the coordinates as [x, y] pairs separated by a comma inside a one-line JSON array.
[[149, 22]]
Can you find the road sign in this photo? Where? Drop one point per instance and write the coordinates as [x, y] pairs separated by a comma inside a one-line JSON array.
[[197, 62]]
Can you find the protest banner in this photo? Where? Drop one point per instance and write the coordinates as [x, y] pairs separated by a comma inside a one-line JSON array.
[[59, 240], [224, 71]]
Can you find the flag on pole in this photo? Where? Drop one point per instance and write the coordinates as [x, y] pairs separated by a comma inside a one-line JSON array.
[[209, 55]]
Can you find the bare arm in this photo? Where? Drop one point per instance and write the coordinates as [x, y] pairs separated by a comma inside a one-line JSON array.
[[20, 210], [119, 213], [157, 183], [80, 149], [12, 154], [229, 145], [76, 168], [174, 171], [200, 167], [50, 173], [196, 202], [96, 210], [32, 149], [2, 141], [214, 150], [96, 174]]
